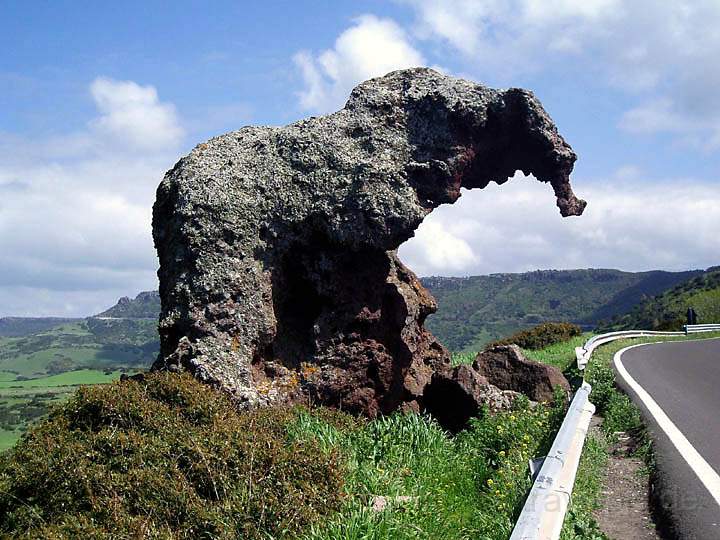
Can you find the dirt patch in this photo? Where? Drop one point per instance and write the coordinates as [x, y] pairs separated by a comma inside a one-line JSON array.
[[625, 511]]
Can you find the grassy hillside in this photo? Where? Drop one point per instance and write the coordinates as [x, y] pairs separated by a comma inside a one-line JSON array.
[[24, 326], [476, 310], [667, 311], [43, 361]]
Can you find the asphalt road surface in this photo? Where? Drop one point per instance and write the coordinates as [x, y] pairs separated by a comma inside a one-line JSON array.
[[677, 386]]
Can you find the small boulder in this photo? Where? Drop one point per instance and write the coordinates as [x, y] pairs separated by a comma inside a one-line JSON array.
[[506, 367]]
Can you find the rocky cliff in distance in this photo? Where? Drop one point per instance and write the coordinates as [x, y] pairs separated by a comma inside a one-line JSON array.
[[146, 305], [278, 273]]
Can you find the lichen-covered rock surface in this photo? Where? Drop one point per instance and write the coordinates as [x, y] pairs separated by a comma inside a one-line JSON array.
[[279, 278]]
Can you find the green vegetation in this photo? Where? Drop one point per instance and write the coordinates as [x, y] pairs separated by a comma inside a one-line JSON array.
[[579, 521], [586, 498], [476, 310], [561, 355], [468, 486], [24, 326], [90, 344], [168, 457], [619, 412], [24, 401], [587, 492], [69, 378], [541, 336], [667, 311], [43, 368], [619, 415]]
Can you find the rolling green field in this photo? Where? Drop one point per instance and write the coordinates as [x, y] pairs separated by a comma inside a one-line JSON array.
[[42, 369], [22, 402]]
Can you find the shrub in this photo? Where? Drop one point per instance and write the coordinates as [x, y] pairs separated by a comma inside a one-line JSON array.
[[541, 336], [166, 457]]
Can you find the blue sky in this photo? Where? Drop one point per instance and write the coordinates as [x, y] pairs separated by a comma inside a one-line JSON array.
[[98, 100]]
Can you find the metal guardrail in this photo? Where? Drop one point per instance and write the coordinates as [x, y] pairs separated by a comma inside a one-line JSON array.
[[544, 511], [582, 354], [696, 328]]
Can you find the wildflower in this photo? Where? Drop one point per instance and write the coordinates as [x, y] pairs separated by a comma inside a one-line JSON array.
[[490, 482]]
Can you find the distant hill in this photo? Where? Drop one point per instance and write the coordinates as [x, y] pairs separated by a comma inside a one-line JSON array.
[[478, 309], [24, 326], [667, 311], [145, 305]]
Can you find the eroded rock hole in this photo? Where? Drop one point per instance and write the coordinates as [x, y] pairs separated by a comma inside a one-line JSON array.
[[297, 306], [449, 404]]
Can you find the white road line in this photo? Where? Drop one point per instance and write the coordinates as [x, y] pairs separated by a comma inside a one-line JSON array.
[[707, 475]]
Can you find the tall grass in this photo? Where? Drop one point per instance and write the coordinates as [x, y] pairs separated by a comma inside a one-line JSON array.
[[468, 486]]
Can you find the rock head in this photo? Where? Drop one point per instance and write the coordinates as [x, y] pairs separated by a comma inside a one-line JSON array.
[[279, 278]]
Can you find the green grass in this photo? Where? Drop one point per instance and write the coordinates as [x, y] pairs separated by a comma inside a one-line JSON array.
[[619, 412], [587, 492], [69, 378], [6, 376], [172, 457], [8, 438], [33, 364], [58, 359], [123, 439], [560, 355], [619, 415], [468, 486], [459, 358]]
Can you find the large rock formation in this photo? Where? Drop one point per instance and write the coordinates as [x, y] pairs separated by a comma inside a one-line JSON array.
[[278, 273]]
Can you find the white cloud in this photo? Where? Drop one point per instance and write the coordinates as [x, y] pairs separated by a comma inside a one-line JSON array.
[[370, 48], [134, 114], [440, 250], [663, 116], [628, 224], [75, 210], [661, 52]]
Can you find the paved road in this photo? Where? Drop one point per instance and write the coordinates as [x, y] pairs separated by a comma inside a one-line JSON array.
[[683, 379]]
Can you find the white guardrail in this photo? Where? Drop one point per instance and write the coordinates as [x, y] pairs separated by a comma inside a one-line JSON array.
[[543, 514]]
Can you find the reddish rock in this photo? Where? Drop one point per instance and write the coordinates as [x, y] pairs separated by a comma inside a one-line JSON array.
[[506, 367], [454, 396]]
